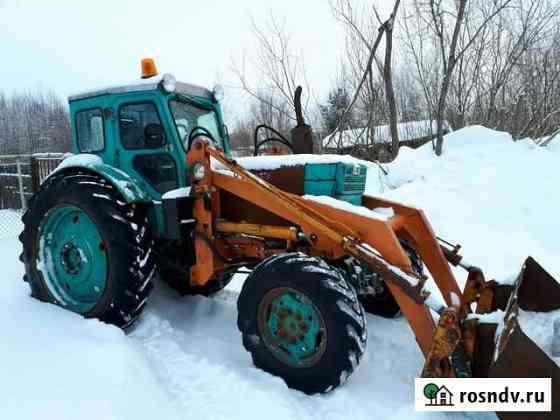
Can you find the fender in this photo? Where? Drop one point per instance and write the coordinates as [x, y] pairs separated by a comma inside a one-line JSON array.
[[130, 189]]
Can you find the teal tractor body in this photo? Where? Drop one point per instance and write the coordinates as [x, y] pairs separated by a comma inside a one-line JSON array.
[[133, 140], [120, 211], [140, 136]]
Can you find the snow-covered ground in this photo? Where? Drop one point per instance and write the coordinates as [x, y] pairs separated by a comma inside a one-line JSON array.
[[185, 360]]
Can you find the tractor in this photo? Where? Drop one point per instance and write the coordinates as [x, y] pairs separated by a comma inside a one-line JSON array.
[[152, 189]]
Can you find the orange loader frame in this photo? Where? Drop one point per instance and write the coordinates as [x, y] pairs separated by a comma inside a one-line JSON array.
[[449, 346]]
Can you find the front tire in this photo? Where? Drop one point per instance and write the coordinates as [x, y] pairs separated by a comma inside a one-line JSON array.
[[301, 321], [86, 250]]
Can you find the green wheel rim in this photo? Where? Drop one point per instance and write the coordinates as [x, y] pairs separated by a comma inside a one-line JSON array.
[[72, 258], [292, 327]]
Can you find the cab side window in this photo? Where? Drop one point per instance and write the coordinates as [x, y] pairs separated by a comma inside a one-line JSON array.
[[89, 129], [136, 122]]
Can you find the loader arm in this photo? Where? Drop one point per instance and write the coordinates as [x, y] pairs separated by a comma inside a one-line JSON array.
[[457, 346], [332, 234]]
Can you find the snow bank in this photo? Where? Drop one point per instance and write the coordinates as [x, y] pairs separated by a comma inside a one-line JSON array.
[[382, 134], [496, 197]]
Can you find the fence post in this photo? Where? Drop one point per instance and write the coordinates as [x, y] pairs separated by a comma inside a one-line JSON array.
[[35, 176], [20, 184]]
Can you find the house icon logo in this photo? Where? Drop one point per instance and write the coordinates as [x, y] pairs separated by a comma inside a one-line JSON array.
[[438, 396]]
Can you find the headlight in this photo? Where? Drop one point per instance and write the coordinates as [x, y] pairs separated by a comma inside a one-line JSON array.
[[218, 92], [198, 171], [168, 83]]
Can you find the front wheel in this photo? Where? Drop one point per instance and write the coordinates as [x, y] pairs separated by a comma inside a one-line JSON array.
[[86, 250], [301, 321]]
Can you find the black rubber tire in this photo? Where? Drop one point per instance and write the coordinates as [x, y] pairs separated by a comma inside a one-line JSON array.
[[338, 304], [384, 304], [179, 282], [125, 232]]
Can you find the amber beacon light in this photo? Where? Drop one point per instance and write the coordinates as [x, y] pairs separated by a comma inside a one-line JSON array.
[[149, 68]]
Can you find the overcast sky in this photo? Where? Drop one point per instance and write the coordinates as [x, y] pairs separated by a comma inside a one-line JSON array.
[[70, 46]]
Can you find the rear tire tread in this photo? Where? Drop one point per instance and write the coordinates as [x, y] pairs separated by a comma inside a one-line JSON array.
[[131, 259]]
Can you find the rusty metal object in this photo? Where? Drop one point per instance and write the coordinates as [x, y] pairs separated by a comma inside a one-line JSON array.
[[446, 340], [520, 357], [241, 248], [538, 290], [302, 139], [484, 347], [469, 341], [288, 178], [508, 353], [302, 133], [473, 289]]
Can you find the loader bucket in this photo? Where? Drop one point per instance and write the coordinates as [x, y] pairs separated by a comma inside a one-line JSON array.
[[538, 290], [512, 354], [522, 358]]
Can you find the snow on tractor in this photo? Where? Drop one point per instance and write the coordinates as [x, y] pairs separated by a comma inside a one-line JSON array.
[[153, 188]]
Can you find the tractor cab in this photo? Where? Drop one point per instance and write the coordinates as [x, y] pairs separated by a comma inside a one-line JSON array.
[[145, 128]]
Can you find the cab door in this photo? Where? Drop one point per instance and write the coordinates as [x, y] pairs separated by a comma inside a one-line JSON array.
[[147, 149]]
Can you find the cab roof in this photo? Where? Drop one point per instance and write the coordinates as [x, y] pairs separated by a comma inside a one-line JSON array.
[[140, 85]]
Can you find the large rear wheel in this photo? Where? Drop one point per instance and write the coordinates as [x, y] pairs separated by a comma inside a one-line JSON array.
[[301, 321], [86, 250]]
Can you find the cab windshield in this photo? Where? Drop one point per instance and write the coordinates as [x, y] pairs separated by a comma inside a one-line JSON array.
[[188, 116]]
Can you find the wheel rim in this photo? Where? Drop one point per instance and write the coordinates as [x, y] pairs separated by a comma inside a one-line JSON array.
[[72, 258], [292, 327]]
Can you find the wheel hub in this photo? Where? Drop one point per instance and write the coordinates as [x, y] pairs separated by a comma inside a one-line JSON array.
[[292, 327], [71, 258]]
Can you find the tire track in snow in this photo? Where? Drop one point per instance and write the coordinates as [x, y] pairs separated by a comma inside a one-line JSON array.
[[195, 350]]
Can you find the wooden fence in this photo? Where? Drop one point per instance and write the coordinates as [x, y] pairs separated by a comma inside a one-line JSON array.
[[21, 175]]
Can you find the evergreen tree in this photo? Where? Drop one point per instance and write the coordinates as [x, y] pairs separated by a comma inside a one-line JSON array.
[[333, 110]]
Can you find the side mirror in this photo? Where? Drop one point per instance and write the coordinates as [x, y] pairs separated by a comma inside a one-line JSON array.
[[154, 135]]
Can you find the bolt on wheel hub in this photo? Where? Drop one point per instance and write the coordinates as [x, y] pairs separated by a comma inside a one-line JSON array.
[[292, 327], [71, 258]]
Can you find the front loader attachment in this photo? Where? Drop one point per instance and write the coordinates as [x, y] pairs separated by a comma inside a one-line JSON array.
[[479, 345], [538, 290], [522, 358], [515, 354], [457, 343]]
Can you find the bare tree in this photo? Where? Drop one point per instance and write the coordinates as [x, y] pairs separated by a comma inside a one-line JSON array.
[[450, 21], [278, 70], [362, 39], [388, 78], [33, 122]]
